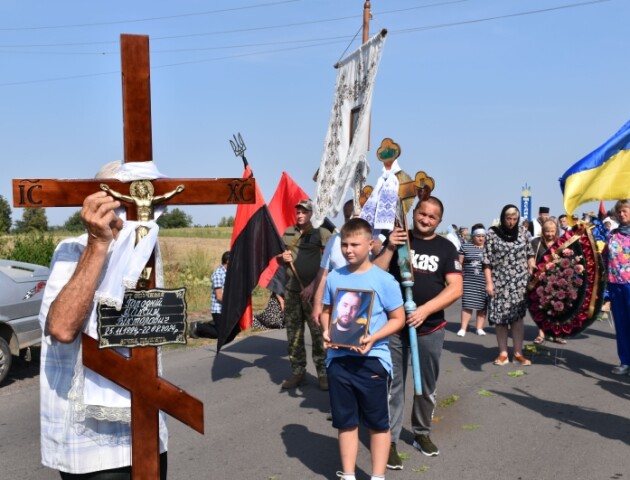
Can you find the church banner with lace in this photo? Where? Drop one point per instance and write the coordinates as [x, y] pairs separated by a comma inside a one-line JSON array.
[[344, 164]]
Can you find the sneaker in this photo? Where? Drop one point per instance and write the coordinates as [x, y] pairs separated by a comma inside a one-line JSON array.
[[480, 332], [461, 332], [294, 381], [393, 461], [621, 370], [426, 446], [346, 476], [323, 383]]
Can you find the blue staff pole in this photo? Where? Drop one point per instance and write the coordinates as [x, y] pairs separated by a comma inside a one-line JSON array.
[[406, 275]]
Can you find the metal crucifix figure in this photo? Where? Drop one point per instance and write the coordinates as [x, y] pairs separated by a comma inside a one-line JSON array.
[[141, 194]]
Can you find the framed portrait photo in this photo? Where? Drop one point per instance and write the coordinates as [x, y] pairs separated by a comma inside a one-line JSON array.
[[351, 313]]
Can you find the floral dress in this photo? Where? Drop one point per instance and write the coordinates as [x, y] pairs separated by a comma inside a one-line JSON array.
[[508, 262], [271, 317]]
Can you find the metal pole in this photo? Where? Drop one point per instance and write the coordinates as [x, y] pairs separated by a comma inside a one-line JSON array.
[[366, 20], [406, 276]]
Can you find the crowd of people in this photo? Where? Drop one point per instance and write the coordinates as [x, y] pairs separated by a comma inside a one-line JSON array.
[[489, 269], [348, 290]]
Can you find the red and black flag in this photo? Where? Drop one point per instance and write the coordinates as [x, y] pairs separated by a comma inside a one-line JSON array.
[[282, 209], [255, 241]]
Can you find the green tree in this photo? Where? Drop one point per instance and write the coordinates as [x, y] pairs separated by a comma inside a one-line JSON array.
[[33, 247], [175, 219], [74, 223], [33, 219], [226, 222], [5, 215]]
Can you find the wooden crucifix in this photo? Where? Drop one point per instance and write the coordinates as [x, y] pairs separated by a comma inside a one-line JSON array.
[[138, 373]]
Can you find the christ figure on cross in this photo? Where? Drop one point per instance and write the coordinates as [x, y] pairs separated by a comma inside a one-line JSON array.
[[142, 195]]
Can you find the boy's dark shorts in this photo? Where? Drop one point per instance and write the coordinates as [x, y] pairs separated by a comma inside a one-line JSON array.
[[359, 390]]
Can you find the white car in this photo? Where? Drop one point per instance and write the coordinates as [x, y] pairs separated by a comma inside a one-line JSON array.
[[21, 292]]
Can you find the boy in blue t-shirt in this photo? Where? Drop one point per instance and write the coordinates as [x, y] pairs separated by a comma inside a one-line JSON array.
[[359, 376]]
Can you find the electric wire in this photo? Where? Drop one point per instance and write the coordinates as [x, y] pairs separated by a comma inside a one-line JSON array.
[[237, 30], [150, 19], [349, 44], [325, 41], [488, 19]]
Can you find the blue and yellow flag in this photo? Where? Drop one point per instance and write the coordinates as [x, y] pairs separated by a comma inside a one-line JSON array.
[[603, 174]]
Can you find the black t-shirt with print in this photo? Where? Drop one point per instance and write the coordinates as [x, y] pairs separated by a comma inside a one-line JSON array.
[[432, 260]]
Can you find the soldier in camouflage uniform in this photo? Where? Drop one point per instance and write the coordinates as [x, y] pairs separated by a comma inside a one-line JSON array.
[[301, 259]]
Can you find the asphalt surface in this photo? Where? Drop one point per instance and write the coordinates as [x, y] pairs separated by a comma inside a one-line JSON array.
[[565, 417]]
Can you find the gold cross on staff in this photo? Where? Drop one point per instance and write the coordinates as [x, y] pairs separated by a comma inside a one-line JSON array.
[[419, 187], [408, 188], [138, 373]]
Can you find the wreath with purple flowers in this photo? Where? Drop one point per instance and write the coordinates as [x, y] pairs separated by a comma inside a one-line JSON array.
[[567, 287]]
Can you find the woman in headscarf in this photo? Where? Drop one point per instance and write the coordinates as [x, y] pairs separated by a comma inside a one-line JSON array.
[[475, 296], [507, 271], [619, 283]]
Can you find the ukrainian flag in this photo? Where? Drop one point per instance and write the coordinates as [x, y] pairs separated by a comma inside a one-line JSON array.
[[603, 174]]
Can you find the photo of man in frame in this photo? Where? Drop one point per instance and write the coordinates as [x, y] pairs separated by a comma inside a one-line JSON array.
[[351, 314]]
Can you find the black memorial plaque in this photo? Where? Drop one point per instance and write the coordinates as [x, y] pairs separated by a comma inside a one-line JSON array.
[[147, 318]]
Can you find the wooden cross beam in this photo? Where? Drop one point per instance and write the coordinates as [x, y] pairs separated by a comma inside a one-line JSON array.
[[138, 373]]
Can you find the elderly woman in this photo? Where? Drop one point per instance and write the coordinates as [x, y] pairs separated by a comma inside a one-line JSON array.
[[475, 296], [507, 272], [540, 246], [619, 283]]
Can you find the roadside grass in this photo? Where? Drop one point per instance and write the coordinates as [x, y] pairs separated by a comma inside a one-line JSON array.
[[198, 232], [192, 232], [189, 256]]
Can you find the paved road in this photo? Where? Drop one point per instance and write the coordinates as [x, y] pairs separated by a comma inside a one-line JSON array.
[[566, 418]]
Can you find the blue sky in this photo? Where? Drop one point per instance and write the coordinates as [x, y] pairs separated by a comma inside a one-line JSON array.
[[483, 106]]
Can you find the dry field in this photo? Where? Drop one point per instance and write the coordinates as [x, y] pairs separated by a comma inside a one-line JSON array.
[[190, 261], [178, 250]]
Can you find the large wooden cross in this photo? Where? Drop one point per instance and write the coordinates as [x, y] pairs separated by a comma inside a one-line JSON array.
[[138, 373]]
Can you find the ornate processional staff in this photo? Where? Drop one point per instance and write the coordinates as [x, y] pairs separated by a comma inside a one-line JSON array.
[[408, 189]]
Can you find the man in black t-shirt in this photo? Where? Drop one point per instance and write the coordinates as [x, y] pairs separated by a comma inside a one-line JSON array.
[[437, 284]]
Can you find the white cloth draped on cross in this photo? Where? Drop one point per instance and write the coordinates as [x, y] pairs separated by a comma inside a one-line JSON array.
[[344, 164], [92, 395], [381, 207], [128, 259], [126, 263]]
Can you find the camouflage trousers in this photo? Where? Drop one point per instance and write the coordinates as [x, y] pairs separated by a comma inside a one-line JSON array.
[[297, 313]]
